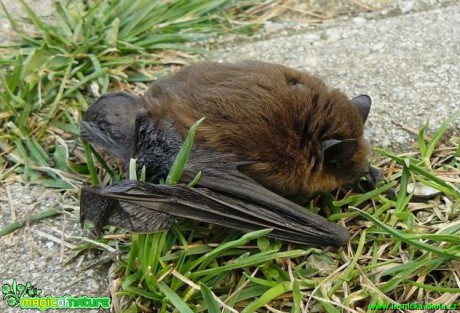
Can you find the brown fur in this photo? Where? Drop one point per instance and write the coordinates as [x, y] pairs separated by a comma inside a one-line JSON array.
[[267, 113]]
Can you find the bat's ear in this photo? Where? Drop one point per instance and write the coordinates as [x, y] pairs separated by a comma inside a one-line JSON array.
[[363, 104], [338, 151]]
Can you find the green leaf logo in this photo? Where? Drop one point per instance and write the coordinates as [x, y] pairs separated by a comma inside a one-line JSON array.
[[15, 292]]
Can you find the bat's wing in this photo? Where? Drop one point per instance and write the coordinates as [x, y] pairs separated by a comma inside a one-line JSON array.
[[103, 211], [226, 198], [289, 220]]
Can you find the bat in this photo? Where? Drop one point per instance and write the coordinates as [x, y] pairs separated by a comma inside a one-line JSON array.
[[269, 131]]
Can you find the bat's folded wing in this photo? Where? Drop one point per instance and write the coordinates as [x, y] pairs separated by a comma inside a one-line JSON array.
[[144, 207], [104, 210], [289, 220]]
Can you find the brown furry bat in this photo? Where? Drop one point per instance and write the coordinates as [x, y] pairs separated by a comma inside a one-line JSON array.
[[269, 131]]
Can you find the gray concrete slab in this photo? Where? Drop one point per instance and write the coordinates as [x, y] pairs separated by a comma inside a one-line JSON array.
[[38, 253]]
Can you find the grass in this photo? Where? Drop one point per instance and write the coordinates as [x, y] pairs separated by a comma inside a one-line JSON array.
[[402, 250]]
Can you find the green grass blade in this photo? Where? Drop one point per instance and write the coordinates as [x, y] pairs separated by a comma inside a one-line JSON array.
[[35, 218], [269, 295], [433, 288], [37, 21], [132, 172], [402, 237], [252, 260], [175, 300], [90, 162], [422, 143], [101, 161], [209, 301], [195, 180], [179, 163], [229, 245], [358, 199], [296, 297], [351, 269], [452, 190], [437, 137], [136, 291]]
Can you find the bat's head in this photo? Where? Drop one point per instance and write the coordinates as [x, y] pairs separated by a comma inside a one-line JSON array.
[[326, 152], [342, 150]]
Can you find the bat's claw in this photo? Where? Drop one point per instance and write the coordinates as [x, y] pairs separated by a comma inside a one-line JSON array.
[[374, 176]]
